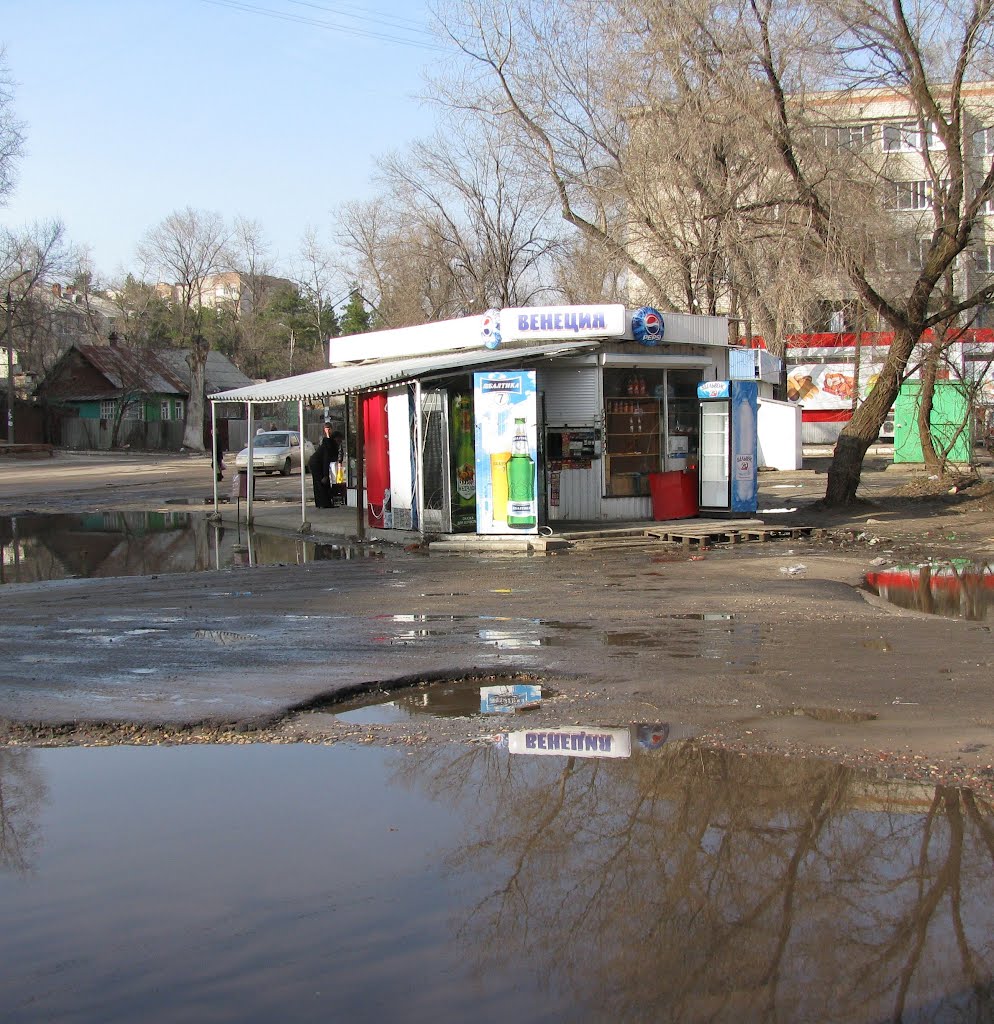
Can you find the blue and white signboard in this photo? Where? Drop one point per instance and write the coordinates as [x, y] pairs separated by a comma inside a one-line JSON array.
[[545, 323], [504, 699], [505, 409], [709, 389]]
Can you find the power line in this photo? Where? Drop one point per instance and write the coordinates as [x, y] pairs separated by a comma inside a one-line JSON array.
[[362, 14], [387, 21]]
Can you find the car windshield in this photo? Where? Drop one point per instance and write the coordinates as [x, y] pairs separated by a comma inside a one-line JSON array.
[[272, 441]]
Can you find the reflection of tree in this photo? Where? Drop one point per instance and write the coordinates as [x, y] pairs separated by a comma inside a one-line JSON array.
[[22, 790], [706, 885]]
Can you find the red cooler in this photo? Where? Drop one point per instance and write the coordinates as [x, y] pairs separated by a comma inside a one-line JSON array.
[[674, 494]]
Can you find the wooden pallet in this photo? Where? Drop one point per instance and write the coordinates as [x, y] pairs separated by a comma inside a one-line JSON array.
[[699, 535], [705, 536]]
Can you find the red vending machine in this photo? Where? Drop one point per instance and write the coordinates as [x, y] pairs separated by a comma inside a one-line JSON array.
[[377, 452]]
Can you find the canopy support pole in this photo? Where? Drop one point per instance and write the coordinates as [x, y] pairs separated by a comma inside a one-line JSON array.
[[303, 489], [419, 462], [250, 479], [215, 461], [360, 467]]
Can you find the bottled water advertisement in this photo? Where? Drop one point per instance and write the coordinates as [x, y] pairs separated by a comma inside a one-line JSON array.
[[506, 452]]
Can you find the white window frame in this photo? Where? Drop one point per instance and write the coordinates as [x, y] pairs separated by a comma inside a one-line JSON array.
[[911, 196], [108, 408], [984, 259], [983, 142], [847, 136], [165, 410], [906, 137], [180, 409], [134, 410]]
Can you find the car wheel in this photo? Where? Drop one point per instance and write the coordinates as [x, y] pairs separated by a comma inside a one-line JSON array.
[[285, 471], [269, 472]]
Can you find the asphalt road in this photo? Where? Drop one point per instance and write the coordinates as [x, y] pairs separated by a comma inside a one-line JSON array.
[[724, 642]]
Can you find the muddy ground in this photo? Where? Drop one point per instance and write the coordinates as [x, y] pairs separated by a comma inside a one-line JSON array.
[[725, 643]]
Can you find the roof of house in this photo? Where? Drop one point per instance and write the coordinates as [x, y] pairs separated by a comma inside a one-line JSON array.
[[220, 374], [131, 370], [164, 372]]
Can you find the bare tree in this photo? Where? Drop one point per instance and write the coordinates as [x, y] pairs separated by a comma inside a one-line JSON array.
[[316, 276], [186, 248], [457, 228], [251, 256], [700, 145], [928, 55], [30, 258], [618, 110], [11, 131]]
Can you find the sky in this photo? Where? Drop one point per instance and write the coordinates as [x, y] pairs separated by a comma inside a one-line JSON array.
[[137, 108]]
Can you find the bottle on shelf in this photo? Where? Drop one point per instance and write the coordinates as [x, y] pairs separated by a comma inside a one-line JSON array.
[[465, 456]]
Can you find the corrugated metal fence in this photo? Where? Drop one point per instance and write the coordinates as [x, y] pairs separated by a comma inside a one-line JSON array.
[[95, 435]]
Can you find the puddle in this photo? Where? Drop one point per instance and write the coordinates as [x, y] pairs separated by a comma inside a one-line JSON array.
[[35, 548], [957, 589], [306, 882], [463, 699]]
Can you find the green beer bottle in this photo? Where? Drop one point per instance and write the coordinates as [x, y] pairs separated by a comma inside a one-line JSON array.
[[466, 461], [520, 481]]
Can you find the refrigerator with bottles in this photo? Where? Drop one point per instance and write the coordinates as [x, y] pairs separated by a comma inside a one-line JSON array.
[[728, 480]]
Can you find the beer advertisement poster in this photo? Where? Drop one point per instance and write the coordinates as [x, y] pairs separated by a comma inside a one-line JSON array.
[[504, 405]]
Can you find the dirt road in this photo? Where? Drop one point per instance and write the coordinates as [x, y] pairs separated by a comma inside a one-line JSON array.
[[726, 643]]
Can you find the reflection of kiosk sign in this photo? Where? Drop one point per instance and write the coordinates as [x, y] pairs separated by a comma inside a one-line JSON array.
[[572, 742]]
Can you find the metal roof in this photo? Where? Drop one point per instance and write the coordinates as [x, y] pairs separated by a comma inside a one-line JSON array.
[[344, 380], [129, 369], [220, 373]]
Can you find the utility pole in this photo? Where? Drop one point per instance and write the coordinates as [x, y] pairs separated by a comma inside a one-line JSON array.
[[10, 370], [8, 338]]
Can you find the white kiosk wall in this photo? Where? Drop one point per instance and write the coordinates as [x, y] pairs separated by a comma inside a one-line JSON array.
[[401, 477]]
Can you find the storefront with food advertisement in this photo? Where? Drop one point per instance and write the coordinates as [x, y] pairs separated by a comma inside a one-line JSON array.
[[518, 419], [830, 374]]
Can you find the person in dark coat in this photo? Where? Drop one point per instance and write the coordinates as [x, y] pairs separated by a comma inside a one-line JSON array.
[[319, 466], [219, 456]]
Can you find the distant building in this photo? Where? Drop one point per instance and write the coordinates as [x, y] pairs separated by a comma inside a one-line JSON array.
[[232, 289], [107, 382]]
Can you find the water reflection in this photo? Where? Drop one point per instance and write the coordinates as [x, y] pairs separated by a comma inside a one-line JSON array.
[[682, 884], [960, 588], [464, 698], [717, 887], [53, 547], [22, 793]]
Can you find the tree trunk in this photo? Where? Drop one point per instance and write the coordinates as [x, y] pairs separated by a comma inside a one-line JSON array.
[[864, 427], [193, 431], [934, 462]]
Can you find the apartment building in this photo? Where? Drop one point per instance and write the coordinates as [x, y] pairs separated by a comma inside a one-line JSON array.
[[879, 132], [232, 289]]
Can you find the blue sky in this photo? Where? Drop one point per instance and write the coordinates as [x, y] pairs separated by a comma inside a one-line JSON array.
[[136, 108]]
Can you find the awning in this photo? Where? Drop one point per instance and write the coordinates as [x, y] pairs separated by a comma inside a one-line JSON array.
[[345, 380]]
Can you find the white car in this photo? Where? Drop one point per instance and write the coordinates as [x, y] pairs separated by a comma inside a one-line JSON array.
[[275, 451]]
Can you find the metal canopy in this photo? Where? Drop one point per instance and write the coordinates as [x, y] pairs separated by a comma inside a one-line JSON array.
[[355, 379], [345, 380]]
